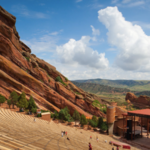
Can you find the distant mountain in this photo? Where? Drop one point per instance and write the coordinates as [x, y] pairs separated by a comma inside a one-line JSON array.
[[97, 88], [133, 85]]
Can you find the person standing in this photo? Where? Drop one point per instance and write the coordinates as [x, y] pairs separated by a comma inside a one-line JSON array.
[[62, 133], [90, 146]]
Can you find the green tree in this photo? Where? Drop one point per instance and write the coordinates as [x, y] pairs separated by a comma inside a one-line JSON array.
[[76, 116], [9, 102], [2, 99], [14, 98], [31, 104], [22, 101], [64, 114], [94, 119], [83, 120], [100, 122], [104, 126], [92, 123], [34, 110]]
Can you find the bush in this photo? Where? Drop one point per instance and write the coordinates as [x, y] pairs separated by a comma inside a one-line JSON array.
[[104, 126], [60, 80], [2, 99], [64, 115], [56, 115], [100, 122], [27, 58], [83, 120], [9, 102], [92, 123], [14, 98], [39, 115], [66, 78], [76, 115], [94, 119], [33, 110]]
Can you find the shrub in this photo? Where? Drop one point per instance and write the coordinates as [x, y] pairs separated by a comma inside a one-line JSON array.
[[58, 78], [56, 115], [49, 80], [78, 93], [100, 122], [9, 102], [2, 99], [83, 120], [104, 126], [66, 78], [92, 123], [14, 98], [39, 115], [64, 115], [76, 115], [27, 58], [94, 119], [33, 110]]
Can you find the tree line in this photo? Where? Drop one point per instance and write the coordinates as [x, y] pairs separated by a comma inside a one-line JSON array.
[[20, 101]]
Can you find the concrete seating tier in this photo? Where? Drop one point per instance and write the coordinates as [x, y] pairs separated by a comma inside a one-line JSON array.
[[20, 132]]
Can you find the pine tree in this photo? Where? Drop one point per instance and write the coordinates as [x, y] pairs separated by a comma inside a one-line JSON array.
[[14, 98], [94, 119], [76, 116], [2, 99], [9, 102], [83, 120], [100, 122], [22, 101], [31, 104]]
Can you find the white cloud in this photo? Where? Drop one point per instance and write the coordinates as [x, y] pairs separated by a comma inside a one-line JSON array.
[[131, 41], [142, 24], [95, 31], [22, 10], [80, 53]]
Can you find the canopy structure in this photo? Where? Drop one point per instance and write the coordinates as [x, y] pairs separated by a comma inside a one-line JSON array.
[[143, 113]]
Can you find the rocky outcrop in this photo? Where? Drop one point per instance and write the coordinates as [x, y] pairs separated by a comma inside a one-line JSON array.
[[22, 71], [139, 101]]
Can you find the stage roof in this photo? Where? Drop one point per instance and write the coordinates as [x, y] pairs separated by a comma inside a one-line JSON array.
[[142, 113]]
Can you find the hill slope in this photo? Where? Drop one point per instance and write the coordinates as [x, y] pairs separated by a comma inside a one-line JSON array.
[[98, 88], [22, 71], [133, 85]]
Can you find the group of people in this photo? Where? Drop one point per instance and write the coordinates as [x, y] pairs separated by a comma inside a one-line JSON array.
[[63, 133], [116, 148]]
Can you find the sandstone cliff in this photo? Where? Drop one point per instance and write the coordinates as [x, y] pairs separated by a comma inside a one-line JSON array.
[[22, 71], [141, 101]]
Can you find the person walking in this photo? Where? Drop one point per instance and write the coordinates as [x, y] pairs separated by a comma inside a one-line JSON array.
[[34, 120], [117, 148], [62, 133], [90, 146]]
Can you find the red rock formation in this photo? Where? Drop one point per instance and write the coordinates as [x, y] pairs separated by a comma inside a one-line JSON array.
[[139, 101], [22, 71]]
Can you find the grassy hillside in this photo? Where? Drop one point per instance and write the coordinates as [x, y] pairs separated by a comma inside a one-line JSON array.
[[99, 89], [133, 85]]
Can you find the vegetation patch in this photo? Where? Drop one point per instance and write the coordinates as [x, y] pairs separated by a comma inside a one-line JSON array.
[[58, 79], [27, 58]]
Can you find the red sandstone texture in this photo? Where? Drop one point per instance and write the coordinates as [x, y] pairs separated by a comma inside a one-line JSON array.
[[22, 71], [141, 100]]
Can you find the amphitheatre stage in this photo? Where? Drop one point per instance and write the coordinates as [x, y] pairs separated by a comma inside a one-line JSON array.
[[20, 132]]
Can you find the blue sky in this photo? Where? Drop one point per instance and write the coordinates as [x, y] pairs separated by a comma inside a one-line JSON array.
[[86, 39]]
